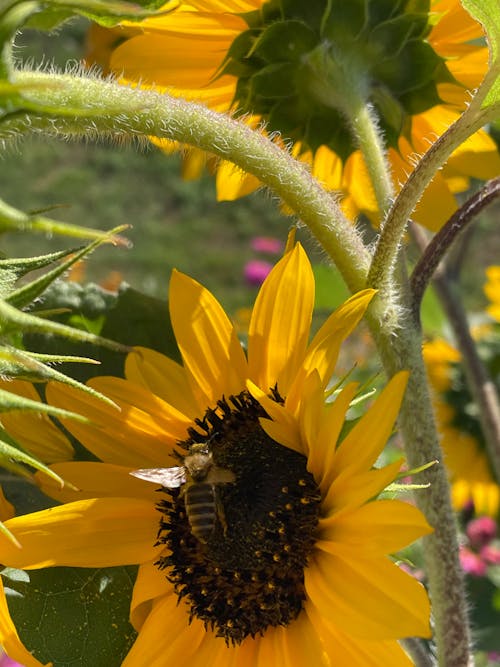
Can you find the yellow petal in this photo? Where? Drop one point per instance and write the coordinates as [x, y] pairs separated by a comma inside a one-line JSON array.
[[207, 340], [282, 427], [151, 583], [369, 598], [163, 377], [375, 529], [323, 351], [88, 533], [130, 438], [236, 6], [9, 639], [232, 183], [296, 644], [166, 637], [364, 442], [346, 651], [322, 435], [347, 490], [37, 433], [281, 319], [95, 480], [7, 510]]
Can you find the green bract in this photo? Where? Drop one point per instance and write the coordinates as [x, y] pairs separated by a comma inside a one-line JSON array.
[[297, 61]]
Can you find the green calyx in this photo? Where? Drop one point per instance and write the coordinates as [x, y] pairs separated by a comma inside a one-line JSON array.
[[304, 67]]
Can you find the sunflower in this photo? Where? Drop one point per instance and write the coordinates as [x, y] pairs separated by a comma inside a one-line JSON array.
[[292, 565], [261, 58], [492, 291], [25, 426], [461, 437]]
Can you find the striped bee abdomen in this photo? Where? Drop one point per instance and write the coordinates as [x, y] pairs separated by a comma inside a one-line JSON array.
[[200, 501]]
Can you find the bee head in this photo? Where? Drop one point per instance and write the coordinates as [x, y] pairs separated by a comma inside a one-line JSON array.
[[198, 464]]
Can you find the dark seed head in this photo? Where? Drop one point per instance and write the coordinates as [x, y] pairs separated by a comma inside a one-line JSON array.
[[248, 574]]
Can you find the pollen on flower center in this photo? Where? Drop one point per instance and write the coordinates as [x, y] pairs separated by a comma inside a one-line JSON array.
[[247, 574]]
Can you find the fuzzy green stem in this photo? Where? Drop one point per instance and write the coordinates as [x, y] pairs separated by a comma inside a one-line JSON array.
[[386, 253], [91, 107], [341, 82], [400, 348], [370, 142]]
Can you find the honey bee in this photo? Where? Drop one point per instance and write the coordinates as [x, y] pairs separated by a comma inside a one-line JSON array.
[[199, 478]]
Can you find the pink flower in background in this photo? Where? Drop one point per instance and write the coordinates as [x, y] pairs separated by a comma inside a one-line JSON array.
[[491, 554], [5, 661], [481, 531], [472, 563], [267, 244], [256, 271]]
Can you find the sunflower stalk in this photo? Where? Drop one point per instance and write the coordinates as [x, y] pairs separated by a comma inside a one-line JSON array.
[[341, 83], [92, 108], [445, 577], [394, 227]]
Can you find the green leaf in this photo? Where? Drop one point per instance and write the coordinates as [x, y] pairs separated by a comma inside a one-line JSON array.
[[13, 320], [29, 292], [331, 289], [284, 41], [12, 219], [24, 366], [487, 12], [10, 454], [131, 318], [105, 12], [10, 401], [73, 617], [431, 314], [13, 269]]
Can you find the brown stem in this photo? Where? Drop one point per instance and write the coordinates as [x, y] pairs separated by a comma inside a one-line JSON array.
[[441, 242], [482, 387]]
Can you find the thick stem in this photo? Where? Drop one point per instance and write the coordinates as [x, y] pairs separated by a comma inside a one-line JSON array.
[[83, 107], [401, 349]]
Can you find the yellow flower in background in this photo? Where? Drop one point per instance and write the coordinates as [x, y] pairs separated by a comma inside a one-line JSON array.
[[295, 567], [470, 472], [492, 291], [25, 426], [254, 56]]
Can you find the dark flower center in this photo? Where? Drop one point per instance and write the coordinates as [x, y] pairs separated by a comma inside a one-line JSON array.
[[244, 571]]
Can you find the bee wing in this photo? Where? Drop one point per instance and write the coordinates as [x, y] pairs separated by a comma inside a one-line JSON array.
[[170, 478]]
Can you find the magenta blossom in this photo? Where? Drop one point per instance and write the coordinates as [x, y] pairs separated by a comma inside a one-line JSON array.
[[267, 244], [256, 271], [481, 531], [472, 563], [490, 553]]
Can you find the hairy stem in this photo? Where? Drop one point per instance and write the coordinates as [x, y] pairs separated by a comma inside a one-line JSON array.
[[401, 349], [92, 108], [364, 125], [386, 252]]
